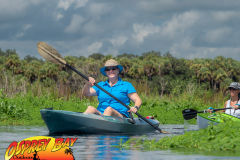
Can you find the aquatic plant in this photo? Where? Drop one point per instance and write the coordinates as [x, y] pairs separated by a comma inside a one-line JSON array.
[[224, 136], [25, 108]]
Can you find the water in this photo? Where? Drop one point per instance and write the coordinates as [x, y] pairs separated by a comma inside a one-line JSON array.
[[99, 146]]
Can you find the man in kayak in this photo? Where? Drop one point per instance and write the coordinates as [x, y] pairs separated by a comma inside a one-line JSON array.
[[234, 89], [123, 90]]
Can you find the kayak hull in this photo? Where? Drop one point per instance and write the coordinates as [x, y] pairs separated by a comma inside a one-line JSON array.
[[204, 121], [59, 121]]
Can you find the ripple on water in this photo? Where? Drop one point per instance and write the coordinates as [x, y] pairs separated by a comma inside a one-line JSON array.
[[100, 146]]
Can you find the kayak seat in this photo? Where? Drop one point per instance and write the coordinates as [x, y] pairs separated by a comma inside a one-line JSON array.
[[96, 113]]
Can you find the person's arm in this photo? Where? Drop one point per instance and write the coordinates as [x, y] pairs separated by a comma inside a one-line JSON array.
[[210, 111], [224, 107], [88, 90], [137, 100]]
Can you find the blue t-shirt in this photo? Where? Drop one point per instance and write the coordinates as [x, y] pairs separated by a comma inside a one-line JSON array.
[[120, 90]]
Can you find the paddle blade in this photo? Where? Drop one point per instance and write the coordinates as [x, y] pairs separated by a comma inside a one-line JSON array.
[[189, 114], [49, 53]]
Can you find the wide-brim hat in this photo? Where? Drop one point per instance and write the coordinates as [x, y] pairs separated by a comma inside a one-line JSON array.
[[234, 85], [111, 62]]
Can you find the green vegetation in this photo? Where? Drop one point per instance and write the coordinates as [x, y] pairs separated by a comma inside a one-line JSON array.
[[152, 72], [167, 85], [24, 109], [223, 136]]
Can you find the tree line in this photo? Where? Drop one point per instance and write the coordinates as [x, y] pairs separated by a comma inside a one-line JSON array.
[[159, 73]]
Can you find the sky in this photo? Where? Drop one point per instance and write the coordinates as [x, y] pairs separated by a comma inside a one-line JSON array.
[[185, 28]]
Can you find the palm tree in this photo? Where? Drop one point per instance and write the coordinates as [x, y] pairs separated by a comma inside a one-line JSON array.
[[150, 68], [126, 63], [31, 73], [2, 59], [136, 71], [52, 71], [13, 61], [35, 64], [42, 73], [219, 61], [160, 62], [107, 57], [70, 60], [63, 76], [69, 151], [231, 67], [49, 70], [93, 68], [225, 84], [204, 74], [219, 76]]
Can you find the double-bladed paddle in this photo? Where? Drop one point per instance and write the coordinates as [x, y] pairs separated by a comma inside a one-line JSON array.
[[191, 113], [52, 55]]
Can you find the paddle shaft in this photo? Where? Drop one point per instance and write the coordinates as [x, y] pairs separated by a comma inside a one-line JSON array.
[[145, 119], [205, 111]]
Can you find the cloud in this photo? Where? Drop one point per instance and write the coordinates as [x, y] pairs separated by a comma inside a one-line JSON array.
[[191, 52], [65, 4], [111, 51], [94, 48], [142, 30], [23, 48], [97, 9], [80, 3], [217, 35], [81, 27], [26, 27], [118, 41], [75, 24], [179, 24], [23, 30], [59, 16], [223, 16], [14, 9]]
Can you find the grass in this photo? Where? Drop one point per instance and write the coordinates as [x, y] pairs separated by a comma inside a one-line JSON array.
[[224, 136], [24, 109]]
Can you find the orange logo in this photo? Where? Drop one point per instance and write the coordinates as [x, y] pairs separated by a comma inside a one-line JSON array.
[[41, 148]]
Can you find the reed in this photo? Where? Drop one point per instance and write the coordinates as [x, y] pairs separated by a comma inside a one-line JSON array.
[[167, 109]]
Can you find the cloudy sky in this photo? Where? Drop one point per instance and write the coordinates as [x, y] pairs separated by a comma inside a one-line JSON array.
[[186, 28]]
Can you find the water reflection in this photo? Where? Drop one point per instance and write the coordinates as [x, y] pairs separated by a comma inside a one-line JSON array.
[[97, 146], [89, 147], [101, 147]]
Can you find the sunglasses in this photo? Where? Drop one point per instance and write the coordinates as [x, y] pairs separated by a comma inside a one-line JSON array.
[[111, 68], [232, 89]]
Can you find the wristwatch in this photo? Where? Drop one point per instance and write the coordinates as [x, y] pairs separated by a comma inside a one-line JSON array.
[[136, 107]]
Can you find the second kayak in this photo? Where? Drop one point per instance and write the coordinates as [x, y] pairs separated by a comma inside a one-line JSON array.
[[203, 121]]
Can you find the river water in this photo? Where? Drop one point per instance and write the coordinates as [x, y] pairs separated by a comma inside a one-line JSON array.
[[100, 146]]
